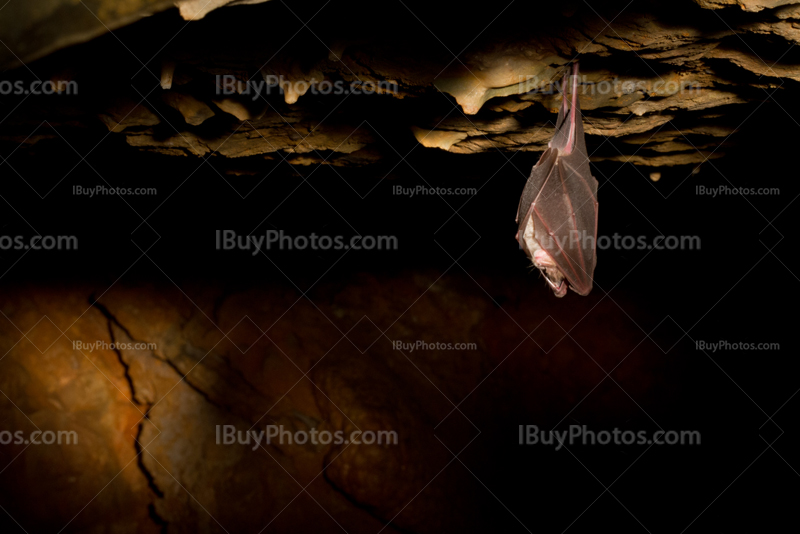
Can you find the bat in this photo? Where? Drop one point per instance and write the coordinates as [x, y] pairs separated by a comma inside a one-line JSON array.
[[557, 214]]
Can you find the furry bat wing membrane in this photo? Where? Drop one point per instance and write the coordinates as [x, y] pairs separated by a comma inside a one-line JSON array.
[[557, 213]]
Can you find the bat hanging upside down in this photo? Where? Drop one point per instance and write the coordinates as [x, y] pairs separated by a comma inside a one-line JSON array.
[[557, 213]]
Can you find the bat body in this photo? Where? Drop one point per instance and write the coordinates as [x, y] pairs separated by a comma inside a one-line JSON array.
[[557, 212]]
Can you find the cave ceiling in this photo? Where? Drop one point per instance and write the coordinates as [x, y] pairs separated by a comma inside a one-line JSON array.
[[660, 85]]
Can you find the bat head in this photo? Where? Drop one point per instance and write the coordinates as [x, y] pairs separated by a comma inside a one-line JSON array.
[[543, 261]]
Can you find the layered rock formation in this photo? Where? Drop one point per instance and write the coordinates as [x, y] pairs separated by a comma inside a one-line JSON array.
[[662, 83]]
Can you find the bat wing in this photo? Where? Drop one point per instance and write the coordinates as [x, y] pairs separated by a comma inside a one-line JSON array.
[[565, 222], [539, 175], [579, 215]]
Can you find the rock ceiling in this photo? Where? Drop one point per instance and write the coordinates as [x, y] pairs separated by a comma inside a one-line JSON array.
[[661, 85]]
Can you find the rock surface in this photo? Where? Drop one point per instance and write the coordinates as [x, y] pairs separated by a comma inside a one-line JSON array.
[[646, 68], [166, 367]]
